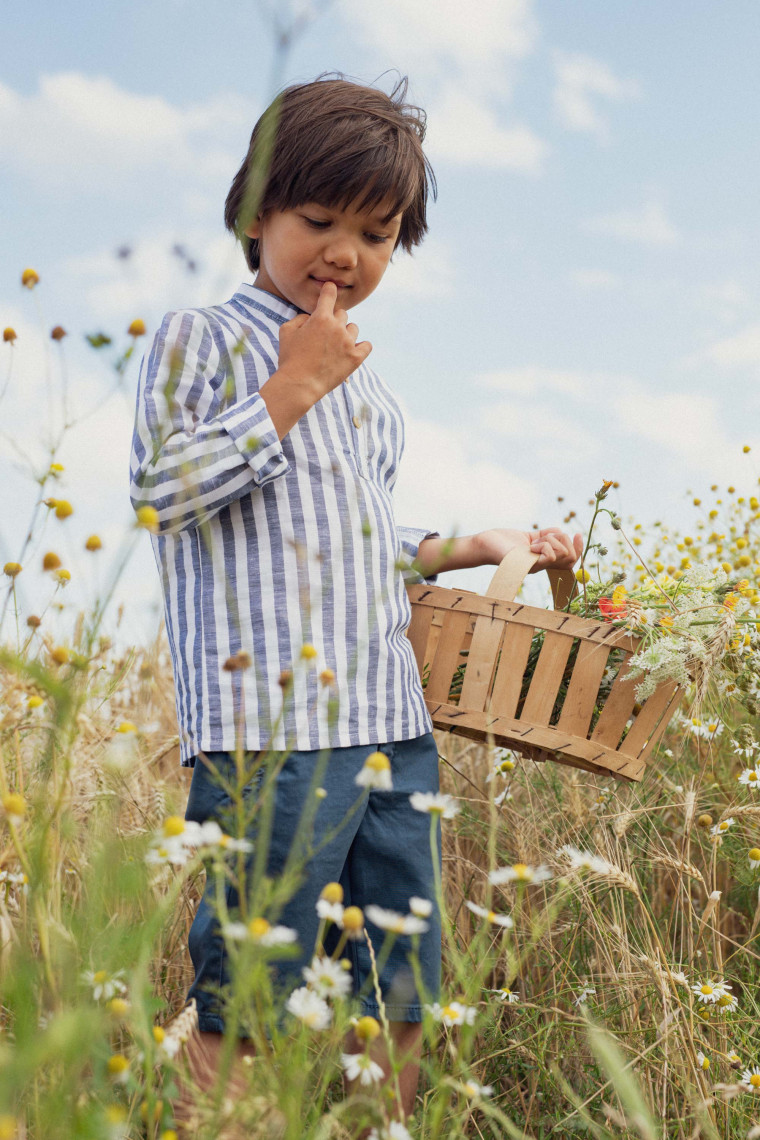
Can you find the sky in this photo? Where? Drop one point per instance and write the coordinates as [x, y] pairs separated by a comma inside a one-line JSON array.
[[584, 307]]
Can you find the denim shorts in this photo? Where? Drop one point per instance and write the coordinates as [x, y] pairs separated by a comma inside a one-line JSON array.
[[382, 855]]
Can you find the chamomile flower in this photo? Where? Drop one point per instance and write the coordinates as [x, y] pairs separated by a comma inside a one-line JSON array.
[[258, 930], [722, 827], [519, 873], [754, 857], [584, 860], [435, 803], [360, 1067], [328, 978], [477, 1092], [330, 911], [104, 985], [750, 777], [504, 797], [491, 916], [706, 730], [395, 1131], [422, 908], [727, 1003], [395, 923], [710, 991], [309, 1008], [734, 1059], [751, 1078], [507, 995], [581, 998], [702, 1061], [376, 773], [455, 1013]]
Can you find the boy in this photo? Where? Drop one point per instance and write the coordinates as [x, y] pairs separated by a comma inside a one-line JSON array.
[[269, 449]]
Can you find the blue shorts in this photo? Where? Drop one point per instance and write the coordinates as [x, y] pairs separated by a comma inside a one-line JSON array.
[[381, 856]]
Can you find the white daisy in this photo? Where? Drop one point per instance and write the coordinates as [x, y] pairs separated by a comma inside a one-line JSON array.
[[394, 922], [750, 777], [584, 860], [361, 1067], [751, 1078], [258, 930], [754, 857], [475, 1091], [434, 803], [504, 797], [309, 1008], [491, 916], [395, 1131], [702, 1061], [709, 991], [423, 908], [722, 827], [104, 985], [376, 773], [519, 873], [507, 995], [328, 978], [331, 911], [455, 1013]]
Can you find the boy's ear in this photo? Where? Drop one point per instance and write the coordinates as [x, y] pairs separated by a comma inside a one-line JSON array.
[[253, 229]]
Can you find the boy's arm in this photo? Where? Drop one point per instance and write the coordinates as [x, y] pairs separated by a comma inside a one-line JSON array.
[[556, 550], [187, 463]]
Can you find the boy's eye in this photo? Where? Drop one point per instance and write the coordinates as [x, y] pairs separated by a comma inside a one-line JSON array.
[[377, 238], [318, 223]]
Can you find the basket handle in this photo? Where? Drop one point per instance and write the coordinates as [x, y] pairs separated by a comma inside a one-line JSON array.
[[516, 565]]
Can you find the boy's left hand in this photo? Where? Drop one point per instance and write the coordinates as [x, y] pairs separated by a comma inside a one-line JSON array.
[[556, 550]]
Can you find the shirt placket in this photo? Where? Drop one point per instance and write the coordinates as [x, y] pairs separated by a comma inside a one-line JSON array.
[[357, 418]]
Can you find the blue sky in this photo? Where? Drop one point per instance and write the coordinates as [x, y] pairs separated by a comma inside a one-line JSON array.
[[586, 303]]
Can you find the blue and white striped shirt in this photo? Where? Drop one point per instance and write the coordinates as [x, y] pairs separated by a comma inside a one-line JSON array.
[[265, 546]]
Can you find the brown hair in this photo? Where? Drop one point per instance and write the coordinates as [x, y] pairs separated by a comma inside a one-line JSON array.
[[333, 142]]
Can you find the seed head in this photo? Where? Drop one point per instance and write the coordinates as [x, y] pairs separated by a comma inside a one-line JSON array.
[[12, 569], [367, 1029], [50, 561], [137, 328], [33, 621], [60, 655], [704, 820], [30, 278], [9, 335], [58, 333]]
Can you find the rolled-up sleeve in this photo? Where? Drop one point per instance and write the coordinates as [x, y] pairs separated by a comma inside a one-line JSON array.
[[410, 539], [192, 454]]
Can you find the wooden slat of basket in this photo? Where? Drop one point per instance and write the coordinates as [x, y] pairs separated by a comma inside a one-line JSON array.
[[447, 656], [481, 658], [512, 733], [578, 706], [558, 621], [646, 722], [617, 709], [419, 634], [545, 682], [507, 684]]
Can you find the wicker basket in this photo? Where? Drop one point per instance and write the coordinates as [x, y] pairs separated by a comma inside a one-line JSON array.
[[558, 712]]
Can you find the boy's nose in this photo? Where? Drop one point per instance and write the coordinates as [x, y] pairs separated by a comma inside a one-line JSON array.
[[342, 254]]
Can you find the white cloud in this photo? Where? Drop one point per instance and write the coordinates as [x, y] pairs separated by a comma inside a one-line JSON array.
[[465, 130], [595, 279], [427, 272], [79, 131], [646, 225], [581, 80], [430, 39], [443, 483], [532, 379], [739, 351]]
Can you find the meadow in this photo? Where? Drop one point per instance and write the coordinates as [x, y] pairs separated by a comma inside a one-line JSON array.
[[600, 938]]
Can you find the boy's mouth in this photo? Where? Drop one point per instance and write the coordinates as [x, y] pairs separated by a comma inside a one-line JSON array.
[[335, 281]]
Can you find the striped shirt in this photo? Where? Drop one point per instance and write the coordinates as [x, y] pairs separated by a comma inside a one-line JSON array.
[[266, 546]]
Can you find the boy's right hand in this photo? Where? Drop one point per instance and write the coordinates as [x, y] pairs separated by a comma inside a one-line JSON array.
[[318, 351]]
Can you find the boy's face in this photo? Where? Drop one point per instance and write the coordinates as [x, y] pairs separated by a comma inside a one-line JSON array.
[[300, 249]]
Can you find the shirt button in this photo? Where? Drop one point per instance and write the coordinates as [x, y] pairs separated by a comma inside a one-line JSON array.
[[356, 422]]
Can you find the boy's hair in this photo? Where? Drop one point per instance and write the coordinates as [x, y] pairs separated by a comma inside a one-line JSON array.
[[333, 142]]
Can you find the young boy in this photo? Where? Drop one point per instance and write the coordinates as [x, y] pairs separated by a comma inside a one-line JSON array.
[[269, 450]]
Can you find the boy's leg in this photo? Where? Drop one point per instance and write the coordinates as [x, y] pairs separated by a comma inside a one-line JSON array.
[[406, 1037]]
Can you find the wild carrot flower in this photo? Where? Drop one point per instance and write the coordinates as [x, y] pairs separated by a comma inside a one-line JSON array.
[[491, 916], [751, 1078], [395, 923], [376, 773], [519, 873], [327, 978], [361, 1067], [309, 1008], [434, 803]]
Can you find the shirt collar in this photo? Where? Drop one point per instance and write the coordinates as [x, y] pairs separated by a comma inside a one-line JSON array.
[[254, 298]]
